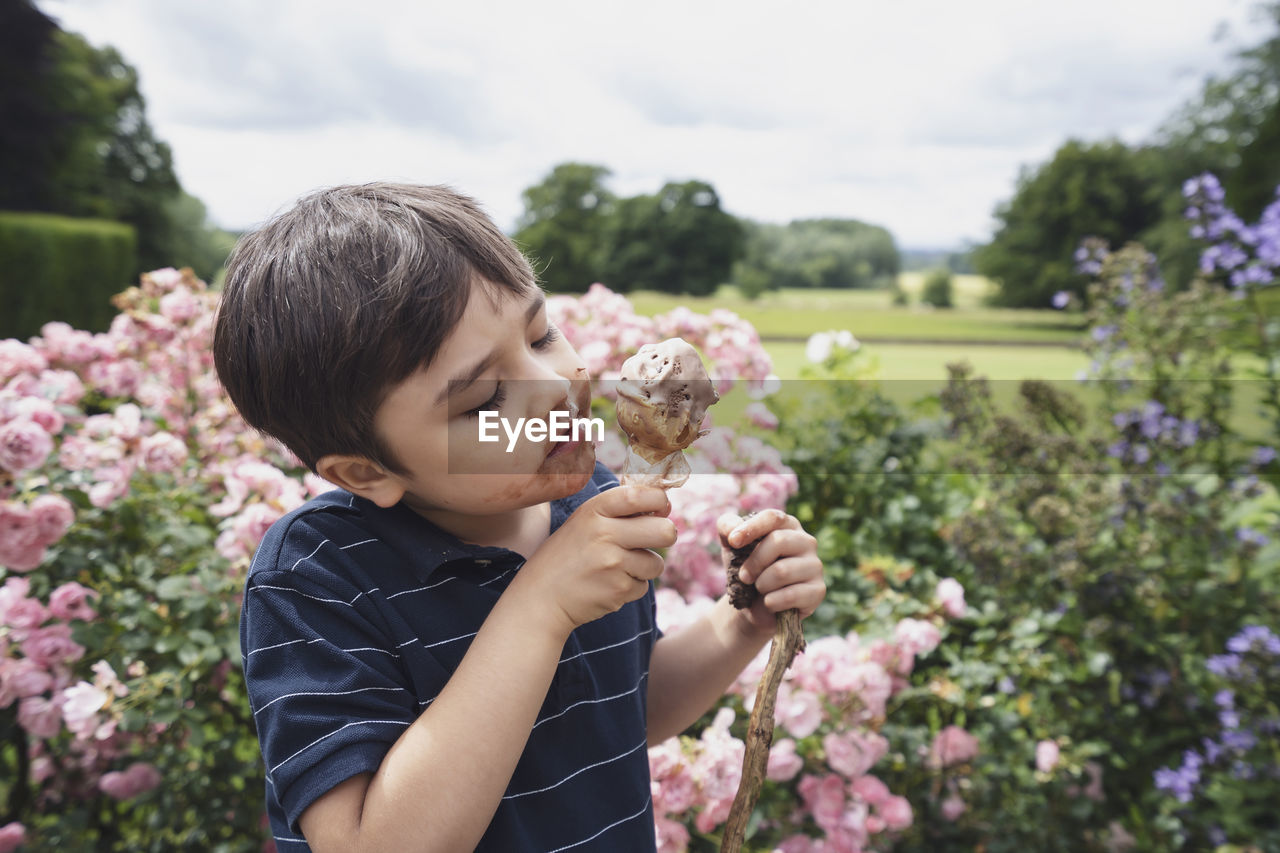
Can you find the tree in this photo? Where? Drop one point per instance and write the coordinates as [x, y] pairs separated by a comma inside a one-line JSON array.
[[28, 121], [1105, 190], [835, 253], [678, 241], [562, 226], [75, 140], [114, 166], [1233, 127]]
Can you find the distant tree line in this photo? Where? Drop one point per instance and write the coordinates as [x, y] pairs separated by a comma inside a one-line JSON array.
[[75, 140], [679, 240], [1128, 193]]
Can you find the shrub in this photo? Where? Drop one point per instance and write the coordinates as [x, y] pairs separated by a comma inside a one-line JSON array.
[[937, 289], [131, 499], [59, 268]]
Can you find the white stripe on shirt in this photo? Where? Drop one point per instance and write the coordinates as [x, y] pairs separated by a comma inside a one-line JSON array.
[[578, 772]]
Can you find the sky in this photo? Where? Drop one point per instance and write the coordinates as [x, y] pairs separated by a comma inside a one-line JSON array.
[[916, 115]]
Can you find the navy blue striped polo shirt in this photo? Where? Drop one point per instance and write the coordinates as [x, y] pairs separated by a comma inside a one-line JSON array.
[[354, 618]]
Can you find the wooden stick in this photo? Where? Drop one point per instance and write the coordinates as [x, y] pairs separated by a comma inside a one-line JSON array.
[[788, 641]]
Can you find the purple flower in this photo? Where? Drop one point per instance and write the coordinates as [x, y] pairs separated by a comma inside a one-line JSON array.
[[1223, 665], [1101, 333], [1224, 698], [1263, 456], [1062, 297], [1239, 740], [1252, 637], [1249, 536], [1189, 433]]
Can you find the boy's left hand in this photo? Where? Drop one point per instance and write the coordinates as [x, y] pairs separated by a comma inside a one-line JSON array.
[[784, 566]]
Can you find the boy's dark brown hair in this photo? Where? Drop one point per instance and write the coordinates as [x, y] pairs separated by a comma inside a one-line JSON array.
[[332, 303]]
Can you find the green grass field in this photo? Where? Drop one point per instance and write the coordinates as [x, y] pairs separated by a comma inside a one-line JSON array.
[[910, 371], [870, 314]]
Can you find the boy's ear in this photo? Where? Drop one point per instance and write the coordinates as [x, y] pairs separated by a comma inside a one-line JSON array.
[[362, 477]]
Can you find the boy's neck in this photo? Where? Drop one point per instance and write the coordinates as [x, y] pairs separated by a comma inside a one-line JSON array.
[[520, 530]]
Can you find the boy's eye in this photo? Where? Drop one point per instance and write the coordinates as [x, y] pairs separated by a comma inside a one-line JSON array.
[[552, 335], [494, 402]]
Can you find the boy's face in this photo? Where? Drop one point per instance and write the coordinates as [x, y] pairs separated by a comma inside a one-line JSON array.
[[503, 356]]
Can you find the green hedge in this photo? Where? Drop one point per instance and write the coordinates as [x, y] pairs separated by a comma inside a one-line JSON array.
[[59, 268]]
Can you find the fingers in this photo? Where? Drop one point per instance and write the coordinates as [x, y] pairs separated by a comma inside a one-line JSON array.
[[625, 501], [758, 525], [725, 525], [776, 545], [804, 597], [643, 531], [643, 566]]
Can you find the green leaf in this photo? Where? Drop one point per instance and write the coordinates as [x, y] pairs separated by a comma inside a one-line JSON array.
[[172, 588]]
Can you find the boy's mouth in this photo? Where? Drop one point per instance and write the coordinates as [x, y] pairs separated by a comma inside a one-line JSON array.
[[582, 404], [560, 448]]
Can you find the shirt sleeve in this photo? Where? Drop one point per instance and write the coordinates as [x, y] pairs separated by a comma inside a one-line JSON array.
[[327, 689]]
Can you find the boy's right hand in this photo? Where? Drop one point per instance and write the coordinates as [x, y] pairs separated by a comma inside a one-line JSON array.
[[599, 559]]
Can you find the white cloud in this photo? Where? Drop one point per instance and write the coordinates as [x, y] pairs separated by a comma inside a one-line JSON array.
[[914, 115]]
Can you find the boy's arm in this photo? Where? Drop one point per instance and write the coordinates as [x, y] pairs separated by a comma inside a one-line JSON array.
[[439, 785], [691, 669]]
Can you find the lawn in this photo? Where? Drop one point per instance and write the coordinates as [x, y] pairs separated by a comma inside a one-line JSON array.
[[1042, 344], [870, 314]]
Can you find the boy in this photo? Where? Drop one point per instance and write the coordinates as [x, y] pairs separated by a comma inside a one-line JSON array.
[[439, 660]]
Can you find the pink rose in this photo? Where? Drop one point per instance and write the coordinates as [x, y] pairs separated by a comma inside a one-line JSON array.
[[21, 678], [952, 745], [870, 790], [824, 798], [952, 807], [53, 516], [24, 445], [80, 705], [144, 776], [950, 594], [20, 547], [759, 415], [853, 753], [1046, 756], [42, 413], [163, 453], [784, 763], [896, 813], [798, 711], [39, 716], [179, 306], [71, 601], [52, 645], [17, 357], [915, 636], [116, 784], [673, 837], [16, 610], [11, 834]]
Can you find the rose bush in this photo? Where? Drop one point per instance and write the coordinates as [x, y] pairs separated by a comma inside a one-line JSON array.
[[131, 500]]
